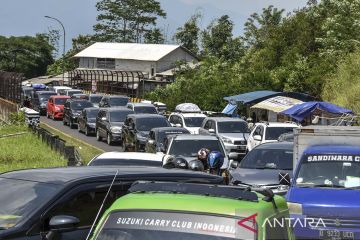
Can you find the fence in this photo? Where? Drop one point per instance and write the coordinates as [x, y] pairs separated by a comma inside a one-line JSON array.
[[69, 152], [10, 86]]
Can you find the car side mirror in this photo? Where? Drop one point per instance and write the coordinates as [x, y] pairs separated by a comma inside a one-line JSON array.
[[234, 164], [284, 179], [63, 221], [257, 138], [178, 125], [211, 130]]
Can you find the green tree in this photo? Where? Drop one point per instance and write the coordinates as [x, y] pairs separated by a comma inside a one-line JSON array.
[[154, 36], [28, 55], [188, 35], [126, 20]]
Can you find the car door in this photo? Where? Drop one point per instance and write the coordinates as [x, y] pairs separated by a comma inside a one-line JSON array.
[[205, 129], [151, 143], [82, 202], [259, 131], [50, 106], [66, 111], [172, 120], [82, 120]]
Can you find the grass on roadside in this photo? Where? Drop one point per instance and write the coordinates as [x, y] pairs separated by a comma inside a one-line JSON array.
[[25, 151], [87, 152]]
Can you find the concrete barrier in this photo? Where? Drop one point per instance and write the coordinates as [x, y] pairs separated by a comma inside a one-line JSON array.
[[7, 107]]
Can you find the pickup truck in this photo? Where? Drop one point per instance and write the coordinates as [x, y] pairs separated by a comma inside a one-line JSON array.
[[325, 189]]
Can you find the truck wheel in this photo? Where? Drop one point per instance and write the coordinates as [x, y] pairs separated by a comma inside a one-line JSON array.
[[71, 124]]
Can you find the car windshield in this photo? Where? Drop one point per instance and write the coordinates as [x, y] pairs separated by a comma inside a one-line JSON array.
[[119, 116], [125, 162], [19, 199], [268, 159], [161, 136], [27, 92], [72, 92], [175, 226], [92, 113], [333, 171], [233, 127], [44, 97], [95, 99], [193, 121], [80, 105], [143, 109], [190, 148], [120, 101], [273, 133], [60, 101], [146, 124]]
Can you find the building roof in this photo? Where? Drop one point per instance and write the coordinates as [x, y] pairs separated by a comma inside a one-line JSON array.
[[130, 51], [277, 104], [252, 97]]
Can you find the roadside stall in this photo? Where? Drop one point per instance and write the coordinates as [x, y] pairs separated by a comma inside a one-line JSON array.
[[319, 113], [270, 108]]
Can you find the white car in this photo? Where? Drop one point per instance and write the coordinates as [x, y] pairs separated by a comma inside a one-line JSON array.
[[265, 132], [61, 89], [190, 121], [127, 159]]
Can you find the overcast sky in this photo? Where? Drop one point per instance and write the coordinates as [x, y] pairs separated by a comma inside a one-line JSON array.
[[26, 17]]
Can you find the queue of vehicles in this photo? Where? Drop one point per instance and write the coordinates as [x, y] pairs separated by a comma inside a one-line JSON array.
[[316, 168]]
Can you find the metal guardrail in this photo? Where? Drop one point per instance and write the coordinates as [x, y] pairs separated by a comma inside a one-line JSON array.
[[59, 145]]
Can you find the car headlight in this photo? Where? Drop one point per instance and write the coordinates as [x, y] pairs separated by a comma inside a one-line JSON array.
[[57, 109], [226, 140], [91, 125], [295, 208], [115, 129]]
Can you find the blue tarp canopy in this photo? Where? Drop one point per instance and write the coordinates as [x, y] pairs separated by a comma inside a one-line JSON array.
[[252, 97], [300, 111], [229, 109]]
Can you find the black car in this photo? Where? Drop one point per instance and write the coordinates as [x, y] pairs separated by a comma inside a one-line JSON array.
[[95, 99], [109, 123], [72, 110], [40, 99], [113, 101], [140, 108], [157, 136], [261, 166], [137, 127], [87, 120], [62, 203]]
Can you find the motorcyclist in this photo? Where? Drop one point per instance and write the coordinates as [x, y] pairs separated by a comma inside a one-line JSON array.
[[27, 102], [215, 162], [202, 155]]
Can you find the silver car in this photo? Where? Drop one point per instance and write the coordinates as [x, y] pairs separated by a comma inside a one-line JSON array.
[[233, 132]]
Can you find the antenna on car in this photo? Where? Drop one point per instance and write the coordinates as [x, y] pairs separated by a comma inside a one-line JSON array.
[[102, 205]]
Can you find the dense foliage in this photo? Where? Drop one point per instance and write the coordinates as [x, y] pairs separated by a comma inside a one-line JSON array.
[[298, 52], [28, 55]]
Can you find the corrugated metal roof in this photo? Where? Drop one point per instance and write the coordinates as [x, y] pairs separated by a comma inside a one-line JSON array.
[[277, 104], [133, 51]]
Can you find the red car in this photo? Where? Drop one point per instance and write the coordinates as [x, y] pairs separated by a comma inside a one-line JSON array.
[[55, 106]]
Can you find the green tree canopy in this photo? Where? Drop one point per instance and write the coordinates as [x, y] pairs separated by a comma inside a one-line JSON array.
[[188, 35], [28, 55], [126, 20]]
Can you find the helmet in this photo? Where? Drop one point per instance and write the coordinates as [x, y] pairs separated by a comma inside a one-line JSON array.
[[180, 163], [215, 161], [203, 154], [196, 165]]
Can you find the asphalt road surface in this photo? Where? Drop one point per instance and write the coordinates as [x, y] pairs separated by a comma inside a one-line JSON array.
[[76, 134]]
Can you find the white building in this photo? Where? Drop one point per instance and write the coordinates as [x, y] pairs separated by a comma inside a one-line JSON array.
[[151, 59]]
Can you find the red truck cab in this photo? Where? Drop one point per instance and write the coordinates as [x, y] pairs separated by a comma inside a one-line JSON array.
[[55, 106]]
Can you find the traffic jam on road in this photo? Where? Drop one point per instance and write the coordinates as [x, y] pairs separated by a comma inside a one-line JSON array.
[[187, 174]]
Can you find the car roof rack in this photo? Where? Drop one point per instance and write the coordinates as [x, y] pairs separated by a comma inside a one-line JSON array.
[[195, 189]]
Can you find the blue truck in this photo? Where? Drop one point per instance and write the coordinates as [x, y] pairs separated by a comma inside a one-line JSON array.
[[324, 194]]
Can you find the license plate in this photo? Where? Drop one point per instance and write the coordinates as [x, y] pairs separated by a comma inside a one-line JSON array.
[[241, 147], [336, 235]]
